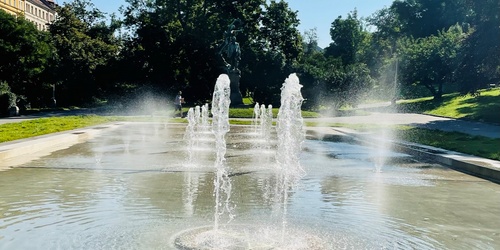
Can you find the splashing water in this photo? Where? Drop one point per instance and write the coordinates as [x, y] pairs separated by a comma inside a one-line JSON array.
[[197, 115], [220, 126], [289, 128], [189, 136], [256, 115], [267, 122], [204, 116]]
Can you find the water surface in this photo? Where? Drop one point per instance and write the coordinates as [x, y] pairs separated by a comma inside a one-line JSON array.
[[130, 189]]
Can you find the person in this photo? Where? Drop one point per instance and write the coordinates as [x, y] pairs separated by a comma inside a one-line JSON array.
[[179, 100]]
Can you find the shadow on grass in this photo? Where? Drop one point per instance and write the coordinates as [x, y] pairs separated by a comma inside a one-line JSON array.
[[429, 134], [486, 109]]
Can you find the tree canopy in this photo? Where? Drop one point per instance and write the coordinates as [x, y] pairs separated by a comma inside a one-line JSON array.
[[411, 47]]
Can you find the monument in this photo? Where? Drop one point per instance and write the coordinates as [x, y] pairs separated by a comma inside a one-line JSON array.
[[230, 55]]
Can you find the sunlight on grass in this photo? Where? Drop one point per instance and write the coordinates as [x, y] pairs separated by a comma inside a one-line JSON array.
[[483, 108], [42, 126]]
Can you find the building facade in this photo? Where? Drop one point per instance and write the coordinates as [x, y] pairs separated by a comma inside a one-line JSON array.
[[14, 7], [39, 12]]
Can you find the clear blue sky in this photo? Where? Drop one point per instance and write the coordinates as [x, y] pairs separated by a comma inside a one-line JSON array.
[[312, 13]]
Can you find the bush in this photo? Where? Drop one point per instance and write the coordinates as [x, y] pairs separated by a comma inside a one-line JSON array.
[[7, 99]]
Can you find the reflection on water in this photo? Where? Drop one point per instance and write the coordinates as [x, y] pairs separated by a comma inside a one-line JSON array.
[[137, 195]]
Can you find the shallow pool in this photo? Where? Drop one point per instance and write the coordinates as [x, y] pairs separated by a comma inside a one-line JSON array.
[[130, 188]]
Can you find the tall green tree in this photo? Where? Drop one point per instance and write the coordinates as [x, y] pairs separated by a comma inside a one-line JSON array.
[[432, 61], [349, 39], [175, 43], [85, 45], [343, 78], [480, 55], [24, 56], [422, 18], [277, 47]]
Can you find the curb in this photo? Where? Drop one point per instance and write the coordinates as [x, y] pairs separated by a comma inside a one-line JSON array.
[[18, 152]]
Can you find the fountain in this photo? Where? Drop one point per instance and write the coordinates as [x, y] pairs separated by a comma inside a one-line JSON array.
[[139, 194], [220, 126]]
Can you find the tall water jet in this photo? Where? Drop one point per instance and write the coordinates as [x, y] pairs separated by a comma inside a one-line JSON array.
[[204, 116], [256, 115], [289, 128], [197, 115], [220, 126], [267, 122], [189, 136]]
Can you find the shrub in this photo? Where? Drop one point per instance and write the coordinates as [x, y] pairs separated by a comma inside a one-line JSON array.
[[7, 98]]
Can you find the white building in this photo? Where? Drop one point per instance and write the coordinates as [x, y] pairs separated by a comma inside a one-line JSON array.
[[40, 12]]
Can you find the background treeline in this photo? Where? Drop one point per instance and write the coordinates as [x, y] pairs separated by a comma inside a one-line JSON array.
[[411, 48]]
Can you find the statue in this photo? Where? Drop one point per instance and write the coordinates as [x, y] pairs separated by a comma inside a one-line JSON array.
[[231, 48], [230, 55]]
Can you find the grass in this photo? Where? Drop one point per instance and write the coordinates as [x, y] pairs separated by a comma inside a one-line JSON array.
[[474, 145], [483, 108], [43, 126]]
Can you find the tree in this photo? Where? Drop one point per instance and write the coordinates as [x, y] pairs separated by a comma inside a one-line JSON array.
[[24, 55], [339, 77], [84, 45], [480, 54], [310, 43], [349, 39], [175, 44], [422, 18], [431, 61], [275, 49]]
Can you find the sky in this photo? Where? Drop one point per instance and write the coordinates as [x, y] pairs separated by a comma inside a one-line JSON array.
[[317, 14]]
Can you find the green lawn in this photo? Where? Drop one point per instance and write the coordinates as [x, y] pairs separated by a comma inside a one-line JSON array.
[[43, 126], [459, 142], [484, 108]]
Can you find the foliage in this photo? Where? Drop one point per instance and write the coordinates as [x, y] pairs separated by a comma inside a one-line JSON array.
[[277, 48], [423, 21], [431, 61], [176, 43], [7, 98], [163, 46], [24, 55], [480, 64], [348, 39], [423, 18], [85, 46], [338, 76]]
